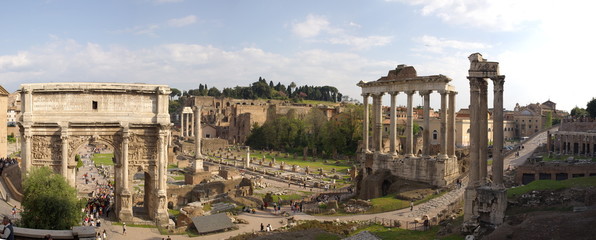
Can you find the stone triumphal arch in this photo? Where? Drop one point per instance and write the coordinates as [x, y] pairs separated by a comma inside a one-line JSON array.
[[133, 119]]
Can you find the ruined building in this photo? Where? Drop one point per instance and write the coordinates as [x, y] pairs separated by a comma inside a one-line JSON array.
[[380, 167]]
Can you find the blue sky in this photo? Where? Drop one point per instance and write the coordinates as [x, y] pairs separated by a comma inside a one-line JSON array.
[[545, 47]]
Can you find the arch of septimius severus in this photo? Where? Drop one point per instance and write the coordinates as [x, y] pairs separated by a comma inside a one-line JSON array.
[[438, 170], [60, 118]]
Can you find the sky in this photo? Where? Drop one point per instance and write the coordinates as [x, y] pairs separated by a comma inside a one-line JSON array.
[[545, 48]]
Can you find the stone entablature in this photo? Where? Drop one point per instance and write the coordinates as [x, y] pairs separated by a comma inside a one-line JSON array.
[[60, 118]]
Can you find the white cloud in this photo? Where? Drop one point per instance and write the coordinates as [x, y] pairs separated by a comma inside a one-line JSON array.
[[185, 66], [318, 26], [434, 44], [181, 22], [501, 15], [361, 42], [311, 27]]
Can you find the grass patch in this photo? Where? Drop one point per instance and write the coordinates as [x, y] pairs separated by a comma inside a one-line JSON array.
[[103, 159], [287, 197], [343, 166], [551, 185], [398, 233], [390, 203], [173, 212], [172, 166], [178, 177], [546, 158], [207, 207]]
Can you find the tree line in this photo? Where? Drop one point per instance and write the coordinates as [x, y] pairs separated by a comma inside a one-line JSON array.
[[322, 137], [263, 90]]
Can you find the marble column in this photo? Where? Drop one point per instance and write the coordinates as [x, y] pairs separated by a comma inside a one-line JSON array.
[[199, 133], [192, 125], [392, 131], [64, 166], [247, 161], [125, 140], [161, 163], [474, 171], [379, 122], [426, 127], [451, 125], [497, 166], [483, 130], [365, 126], [443, 137], [409, 126], [26, 149], [182, 134]]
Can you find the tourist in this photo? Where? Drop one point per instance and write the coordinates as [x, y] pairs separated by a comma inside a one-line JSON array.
[[8, 232], [269, 227], [411, 206], [104, 235], [98, 236], [262, 227], [123, 228], [168, 238]]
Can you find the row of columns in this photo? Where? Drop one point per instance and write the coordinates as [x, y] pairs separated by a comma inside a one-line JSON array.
[[187, 122], [447, 136], [479, 131], [586, 143]]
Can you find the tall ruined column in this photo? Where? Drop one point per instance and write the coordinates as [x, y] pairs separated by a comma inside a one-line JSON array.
[[64, 166], [182, 134], [192, 125], [379, 122], [443, 137], [125, 211], [409, 126], [199, 133], [26, 149], [474, 171], [161, 210], [161, 163], [483, 129], [426, 127], [451, 125], [497, 167], [247, 161], [365, 126], [392, 131]]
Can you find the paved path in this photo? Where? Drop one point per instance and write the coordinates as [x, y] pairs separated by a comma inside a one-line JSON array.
[[529, 146]]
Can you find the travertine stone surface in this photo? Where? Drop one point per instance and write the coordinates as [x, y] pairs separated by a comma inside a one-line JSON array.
[[60, 118]]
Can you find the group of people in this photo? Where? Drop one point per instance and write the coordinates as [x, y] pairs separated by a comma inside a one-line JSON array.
[[266, 229], [5, 162], [98, 205]]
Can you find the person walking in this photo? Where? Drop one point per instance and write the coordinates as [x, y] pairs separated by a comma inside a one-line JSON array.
[[123, 228], [411, 206]]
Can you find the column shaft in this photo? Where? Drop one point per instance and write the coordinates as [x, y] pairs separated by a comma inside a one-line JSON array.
[[426, 130], [125, 162], [497, 166], [409, 126], [474, 171], [64, 169], [379, 123], [192, 125], [161, 164], [199, 134], [443, 137], [27, 153], [483, 130], [182, 134], [392, 131], [365, 126], [451, 125]]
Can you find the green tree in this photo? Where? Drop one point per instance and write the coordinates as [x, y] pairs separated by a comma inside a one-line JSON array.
[[549, 120], [579, 112], [175, 93], [591, 108], [49, 202]]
